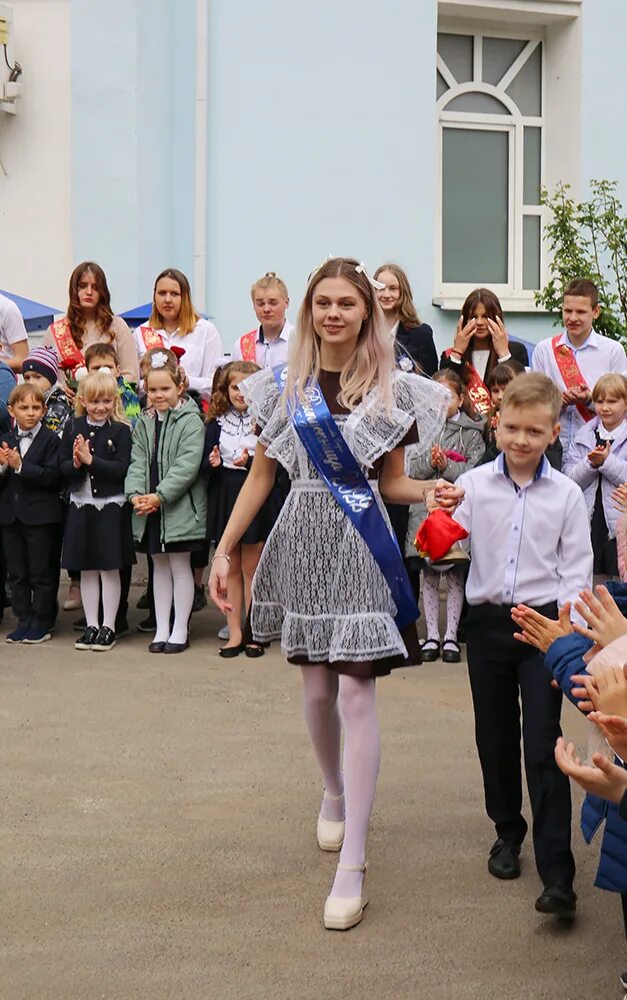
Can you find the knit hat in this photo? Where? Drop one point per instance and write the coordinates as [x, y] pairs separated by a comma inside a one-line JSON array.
[[44, 361]]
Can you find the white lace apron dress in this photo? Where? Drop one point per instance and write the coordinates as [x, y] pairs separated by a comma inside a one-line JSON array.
[[317, 587]]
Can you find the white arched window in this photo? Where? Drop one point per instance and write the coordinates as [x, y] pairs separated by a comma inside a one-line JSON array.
[[490, 99]]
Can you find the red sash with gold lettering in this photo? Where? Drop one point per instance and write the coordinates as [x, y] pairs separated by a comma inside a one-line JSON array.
[[248, 346], [476, 389], [152, 338], [570, 372], [70, 355]]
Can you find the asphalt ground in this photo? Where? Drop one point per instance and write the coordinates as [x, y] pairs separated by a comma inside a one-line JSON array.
[[157, 841]]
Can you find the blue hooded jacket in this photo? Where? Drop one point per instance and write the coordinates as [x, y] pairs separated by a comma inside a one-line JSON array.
[[564, 658]]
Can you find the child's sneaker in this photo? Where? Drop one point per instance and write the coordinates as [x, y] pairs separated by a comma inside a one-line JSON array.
[[36, 634], [88, 638], [105, 640], [17, 634]]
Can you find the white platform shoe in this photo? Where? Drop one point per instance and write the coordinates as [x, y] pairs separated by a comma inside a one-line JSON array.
[[330, 832], [341, 913]]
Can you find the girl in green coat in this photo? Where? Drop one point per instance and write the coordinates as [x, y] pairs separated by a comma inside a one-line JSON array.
[[168, 497]]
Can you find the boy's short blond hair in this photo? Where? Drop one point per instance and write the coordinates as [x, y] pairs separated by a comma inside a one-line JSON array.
[[269, 280], [611, 384], [533, 389]]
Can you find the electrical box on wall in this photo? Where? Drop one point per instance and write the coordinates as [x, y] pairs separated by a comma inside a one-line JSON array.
[[11, 88]]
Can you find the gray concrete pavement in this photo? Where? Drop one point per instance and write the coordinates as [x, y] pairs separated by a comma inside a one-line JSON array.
[[158, 841]]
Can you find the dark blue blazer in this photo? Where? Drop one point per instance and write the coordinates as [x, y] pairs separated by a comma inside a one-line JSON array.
[[417, 342], [111, 450], [32, 496]]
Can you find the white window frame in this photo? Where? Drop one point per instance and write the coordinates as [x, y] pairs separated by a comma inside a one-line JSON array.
[[452, 294]]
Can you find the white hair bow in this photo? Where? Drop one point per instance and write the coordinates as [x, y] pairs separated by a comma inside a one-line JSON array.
[[105, 370], [361, 269], [80, 373], [159, 360]]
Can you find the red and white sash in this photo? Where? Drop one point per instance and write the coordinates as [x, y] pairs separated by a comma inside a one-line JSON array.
[[70, 354], [571, 373], [151, 338], [476, 388], [248, 346]]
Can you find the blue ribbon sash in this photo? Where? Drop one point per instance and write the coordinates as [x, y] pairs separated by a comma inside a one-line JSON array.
[[338, 467]]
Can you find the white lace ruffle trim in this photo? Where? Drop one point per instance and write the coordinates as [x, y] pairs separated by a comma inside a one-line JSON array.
[[328, 638]]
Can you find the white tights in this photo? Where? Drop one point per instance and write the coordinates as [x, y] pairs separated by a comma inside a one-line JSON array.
[[173, 582], [91, 581], [333, 702]]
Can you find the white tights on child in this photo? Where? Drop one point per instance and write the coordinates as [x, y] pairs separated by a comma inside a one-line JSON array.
[[91, 581], [430, 590], [325, 692], [173, 581]]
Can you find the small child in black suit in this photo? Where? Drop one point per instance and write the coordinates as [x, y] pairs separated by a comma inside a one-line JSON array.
[[31, 515]]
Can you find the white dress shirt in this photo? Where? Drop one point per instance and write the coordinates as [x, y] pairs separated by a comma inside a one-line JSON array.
[[597, 356], [12, 329], [203, 350], [268, 353], [236, 434], [528, 546]]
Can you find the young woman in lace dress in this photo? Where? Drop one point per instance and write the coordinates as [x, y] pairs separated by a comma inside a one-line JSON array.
[[318, 588]]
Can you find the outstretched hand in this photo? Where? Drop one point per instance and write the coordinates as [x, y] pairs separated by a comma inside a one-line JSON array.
[[539, 631], [605, 619], [614, 729], [604, 779]]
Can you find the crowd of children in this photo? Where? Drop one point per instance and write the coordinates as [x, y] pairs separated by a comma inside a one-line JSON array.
[[178, 449]]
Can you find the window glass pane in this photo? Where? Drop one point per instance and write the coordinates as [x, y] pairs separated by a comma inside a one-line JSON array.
[[526, 88], [441, 86], [475, 198], [498, 56], [456, 51], [531, 251], [532, 176], [479, 103]]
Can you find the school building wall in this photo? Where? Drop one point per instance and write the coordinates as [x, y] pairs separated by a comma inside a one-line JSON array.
[[228, 138]]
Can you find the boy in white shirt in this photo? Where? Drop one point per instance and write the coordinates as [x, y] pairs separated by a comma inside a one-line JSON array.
[[267, 345], [576, 359], [530, 544]]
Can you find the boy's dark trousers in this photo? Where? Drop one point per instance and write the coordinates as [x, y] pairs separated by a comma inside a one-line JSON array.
[[500, 667], [33, 556]]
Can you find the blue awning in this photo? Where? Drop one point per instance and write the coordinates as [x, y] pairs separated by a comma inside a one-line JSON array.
[[36, 315]]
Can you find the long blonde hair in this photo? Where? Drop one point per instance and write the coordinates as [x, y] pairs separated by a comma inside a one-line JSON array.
[[92, 387], [372, 363]]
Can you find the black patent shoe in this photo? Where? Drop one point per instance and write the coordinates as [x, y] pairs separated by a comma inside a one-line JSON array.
[[228, 652], [156, 647], [451, 653], [558, 901], [176, 647], [105, 640], [88, 638], [430, 651], [504, 860]]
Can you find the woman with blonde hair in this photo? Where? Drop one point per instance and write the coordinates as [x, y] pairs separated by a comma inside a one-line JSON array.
[[413, 340], [175, 323], [330, 583]]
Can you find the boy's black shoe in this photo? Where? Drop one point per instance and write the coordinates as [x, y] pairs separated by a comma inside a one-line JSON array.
[[200, 599], [143, 602], [80, 624], [504, 861], [121, 627], [105, 640], [555, 899], [623, 980], [147, 625], [88, 638]]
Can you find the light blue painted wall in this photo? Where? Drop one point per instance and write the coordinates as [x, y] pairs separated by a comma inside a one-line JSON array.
[[320, 141], [132, 139]]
